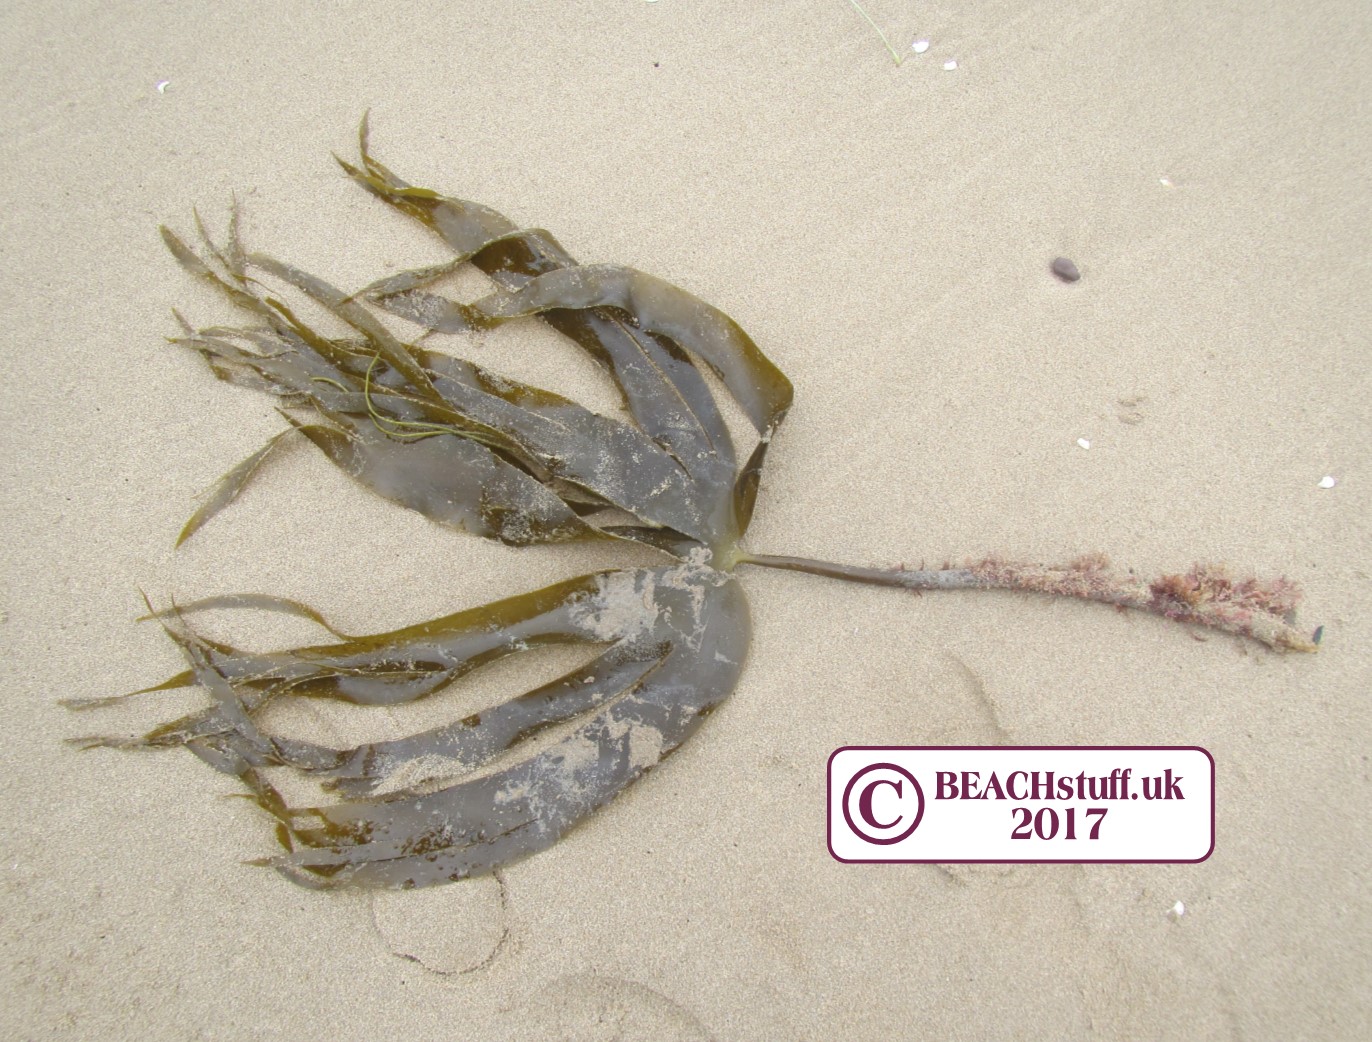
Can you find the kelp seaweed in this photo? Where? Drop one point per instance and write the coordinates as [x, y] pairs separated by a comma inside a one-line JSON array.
[[476, 451]]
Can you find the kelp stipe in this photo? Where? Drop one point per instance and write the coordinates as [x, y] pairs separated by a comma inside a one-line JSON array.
[[479, 452]]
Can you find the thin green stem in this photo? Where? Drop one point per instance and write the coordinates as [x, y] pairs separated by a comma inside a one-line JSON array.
[[894, 55], [410, 430]]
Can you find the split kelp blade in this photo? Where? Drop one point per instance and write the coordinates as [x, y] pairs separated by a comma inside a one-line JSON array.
[[638, 327], [477, 451], [376, 385], [469, 796]]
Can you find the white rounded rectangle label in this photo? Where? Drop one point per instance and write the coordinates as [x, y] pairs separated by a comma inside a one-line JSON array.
[[1021, 803]]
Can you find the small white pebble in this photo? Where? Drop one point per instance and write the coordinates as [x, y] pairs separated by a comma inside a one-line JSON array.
[[1083, 443], [950, 64], [920, 46], [1328, 481], [162, 86], [1166, 182], [1178, 910]]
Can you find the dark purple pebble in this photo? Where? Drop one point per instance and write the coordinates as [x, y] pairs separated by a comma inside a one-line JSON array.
[[1066, 270]]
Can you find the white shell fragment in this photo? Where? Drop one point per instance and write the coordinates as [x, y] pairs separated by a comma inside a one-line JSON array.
[[1166, 182], [950, 64], [162, 86], [920, 46], [1328, 481], [1178, 910], [1084, 443]]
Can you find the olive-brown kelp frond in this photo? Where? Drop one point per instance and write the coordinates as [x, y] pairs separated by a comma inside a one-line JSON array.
[[480, 451], [673, 642], [486, 454]]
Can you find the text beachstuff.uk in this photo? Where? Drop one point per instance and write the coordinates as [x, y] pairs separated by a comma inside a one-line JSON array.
[[1046, 785]]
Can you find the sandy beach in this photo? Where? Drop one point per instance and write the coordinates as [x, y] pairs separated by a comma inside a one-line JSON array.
[[884, 231]]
